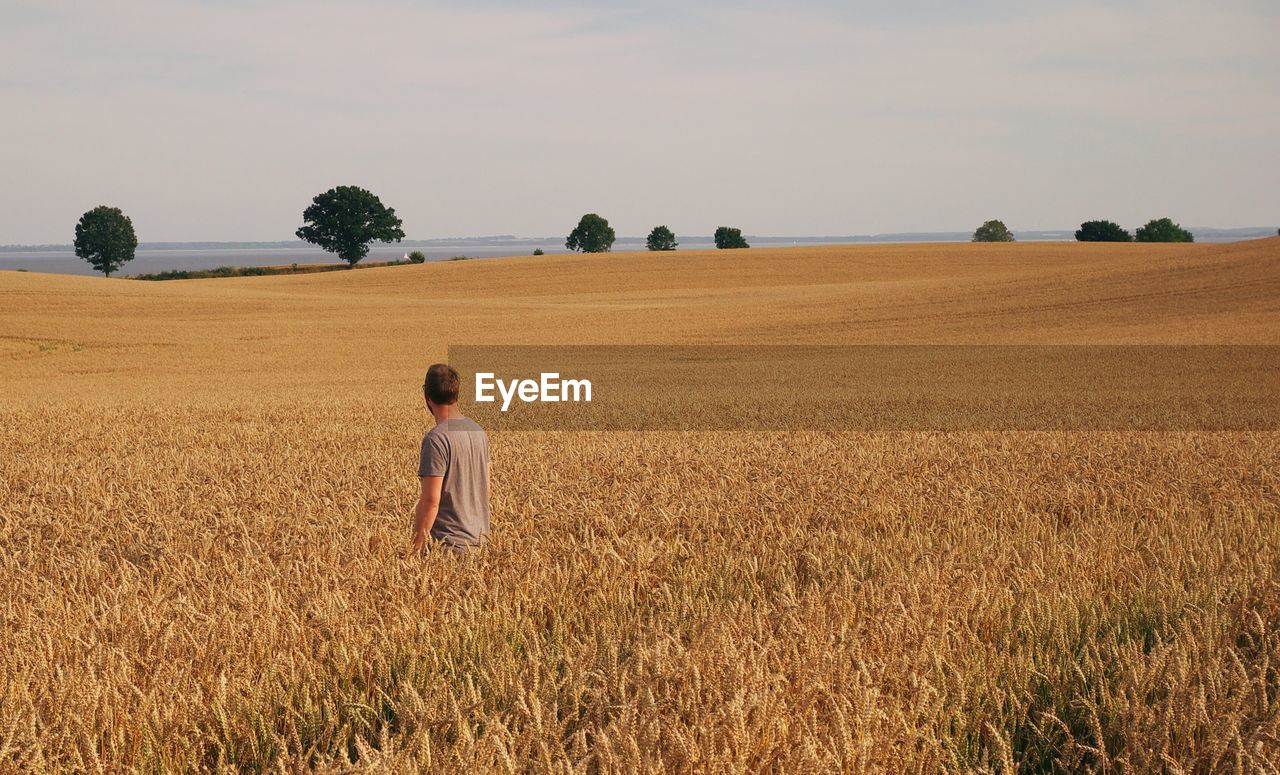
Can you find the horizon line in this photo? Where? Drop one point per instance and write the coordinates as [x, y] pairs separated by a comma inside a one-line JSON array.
[[500, 238]]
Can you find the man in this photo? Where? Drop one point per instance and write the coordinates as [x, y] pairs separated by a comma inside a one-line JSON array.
[[453, 507]]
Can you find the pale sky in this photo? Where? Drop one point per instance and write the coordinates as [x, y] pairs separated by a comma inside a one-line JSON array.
[[220, 119]]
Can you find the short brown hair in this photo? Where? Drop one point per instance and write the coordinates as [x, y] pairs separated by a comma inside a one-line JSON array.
[[442, 384]]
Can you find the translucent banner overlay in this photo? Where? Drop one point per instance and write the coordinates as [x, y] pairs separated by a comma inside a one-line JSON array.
[[872, 387]]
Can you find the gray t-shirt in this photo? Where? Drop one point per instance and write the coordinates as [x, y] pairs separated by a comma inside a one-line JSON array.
[[458, 450]]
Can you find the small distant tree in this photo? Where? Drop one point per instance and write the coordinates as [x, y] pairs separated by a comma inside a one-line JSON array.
[[993, 231], [344, 220], [661, 238], [538, 252], [105, 238], [417, 257], [1164, 230], [1102, 231], [729, 238], [592, 235]]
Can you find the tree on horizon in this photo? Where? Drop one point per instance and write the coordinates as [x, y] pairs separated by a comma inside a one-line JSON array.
[[105, 238], [1164, 230], [729, 238], [345, 219], [993, 231], [593, 234], [660, 239], [1102, 231]]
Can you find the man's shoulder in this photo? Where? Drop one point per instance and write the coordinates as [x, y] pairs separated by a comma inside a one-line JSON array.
[[436, 438]]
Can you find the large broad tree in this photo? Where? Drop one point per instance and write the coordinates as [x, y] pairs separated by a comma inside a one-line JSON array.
[[1102, 231], [592, 235], [344, 220], [1164, 230], [728, 238], [661, 238], [993, 231], [105, 238]]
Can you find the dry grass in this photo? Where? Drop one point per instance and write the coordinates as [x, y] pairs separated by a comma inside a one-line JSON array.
[[205, 489]]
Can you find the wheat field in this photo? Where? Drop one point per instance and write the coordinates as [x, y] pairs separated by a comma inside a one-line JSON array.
[[206, 488]]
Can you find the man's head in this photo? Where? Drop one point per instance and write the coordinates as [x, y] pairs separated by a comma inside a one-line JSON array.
[[441, 387]]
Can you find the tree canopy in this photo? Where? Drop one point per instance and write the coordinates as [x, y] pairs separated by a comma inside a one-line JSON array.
[[345, 219], [661, 238], [593, 234], [728, 238], [1102, 231], [1164, 230], [105, 238], [993, 231]]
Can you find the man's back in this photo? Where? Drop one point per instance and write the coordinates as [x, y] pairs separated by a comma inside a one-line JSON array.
[[458, 450]]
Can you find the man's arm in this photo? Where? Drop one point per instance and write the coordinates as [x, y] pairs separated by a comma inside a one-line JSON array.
[[424, 514]]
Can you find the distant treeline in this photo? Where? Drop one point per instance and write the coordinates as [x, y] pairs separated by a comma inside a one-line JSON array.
[[346, 220], [1202, 234]]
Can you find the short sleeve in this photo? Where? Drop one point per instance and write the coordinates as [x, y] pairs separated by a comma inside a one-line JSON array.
[[434, 457]]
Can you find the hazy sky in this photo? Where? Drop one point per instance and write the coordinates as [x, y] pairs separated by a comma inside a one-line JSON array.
[[220, 119]]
